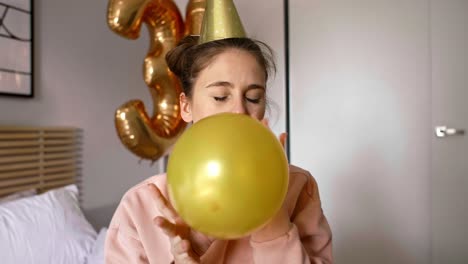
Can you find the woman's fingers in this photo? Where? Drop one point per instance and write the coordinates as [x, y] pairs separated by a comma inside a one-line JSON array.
[[163, 205], [185, 259], [181, 250], [199, 242], [180, 246], [282, 137], [172, 226], [168, 228]]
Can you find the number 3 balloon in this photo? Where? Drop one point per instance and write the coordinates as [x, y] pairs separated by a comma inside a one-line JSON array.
[[145, 136]]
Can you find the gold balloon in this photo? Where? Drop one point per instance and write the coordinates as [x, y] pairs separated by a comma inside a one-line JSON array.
[[227, 175], [151, 137], [194, 17]]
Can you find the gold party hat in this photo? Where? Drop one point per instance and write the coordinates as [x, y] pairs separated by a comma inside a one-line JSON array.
[[220, 21]]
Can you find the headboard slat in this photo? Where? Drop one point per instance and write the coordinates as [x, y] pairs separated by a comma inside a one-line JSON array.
[[19, 166], [39, 158], [18, 174], [14, 151], [20, 181], [55, 184], [64, 175], [14, 159], [10, 190], [12, 136], [13, 143], [45, 171]]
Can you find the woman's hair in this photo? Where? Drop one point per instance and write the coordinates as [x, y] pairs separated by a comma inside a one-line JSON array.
[[189, 58]]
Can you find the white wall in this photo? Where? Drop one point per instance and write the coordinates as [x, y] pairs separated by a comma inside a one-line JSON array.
[[360, 122], [83, 72]]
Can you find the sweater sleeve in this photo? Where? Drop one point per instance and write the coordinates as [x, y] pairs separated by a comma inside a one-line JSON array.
[[309, 239], [123, 248], [123, 244], [132, 236]]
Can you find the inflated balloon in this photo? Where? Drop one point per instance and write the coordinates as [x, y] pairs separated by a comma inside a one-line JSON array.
[[151, 137], [227, 175], [194, 17]]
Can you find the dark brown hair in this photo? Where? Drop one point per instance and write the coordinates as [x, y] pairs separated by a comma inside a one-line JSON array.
[[188, 59]]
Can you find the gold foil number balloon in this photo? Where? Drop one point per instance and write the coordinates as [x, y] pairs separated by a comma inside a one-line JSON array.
[[227, 175], [145, 136]]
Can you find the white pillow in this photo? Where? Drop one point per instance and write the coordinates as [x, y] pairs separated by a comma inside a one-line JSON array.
[[46, 228], [97, 255], [18, 195]]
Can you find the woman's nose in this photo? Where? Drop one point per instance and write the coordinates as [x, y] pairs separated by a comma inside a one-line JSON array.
[[239, 107]]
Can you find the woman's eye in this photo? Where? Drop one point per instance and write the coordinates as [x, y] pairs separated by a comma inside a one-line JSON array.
[[220, 98], [253, 100]]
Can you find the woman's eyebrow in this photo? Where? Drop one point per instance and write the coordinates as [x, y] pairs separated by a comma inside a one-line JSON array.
[[230, 85], [256, 86], [220, 83]]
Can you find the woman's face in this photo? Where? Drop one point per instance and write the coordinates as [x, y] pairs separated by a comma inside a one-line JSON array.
[[233, 82]]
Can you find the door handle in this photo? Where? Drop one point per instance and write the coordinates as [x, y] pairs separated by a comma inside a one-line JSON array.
[[443, 131]]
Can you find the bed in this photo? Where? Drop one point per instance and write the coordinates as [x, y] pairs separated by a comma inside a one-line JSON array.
[[41, 220]]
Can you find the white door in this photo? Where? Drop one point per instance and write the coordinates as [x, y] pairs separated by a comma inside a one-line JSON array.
[[360, 122], [449, 23]]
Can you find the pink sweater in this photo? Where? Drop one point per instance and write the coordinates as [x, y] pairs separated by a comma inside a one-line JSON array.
[[134, 238]]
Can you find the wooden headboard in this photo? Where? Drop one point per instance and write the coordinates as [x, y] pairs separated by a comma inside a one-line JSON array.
[[40, 158]]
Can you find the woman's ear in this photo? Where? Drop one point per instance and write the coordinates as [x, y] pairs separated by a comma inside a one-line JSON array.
[[185, 108]]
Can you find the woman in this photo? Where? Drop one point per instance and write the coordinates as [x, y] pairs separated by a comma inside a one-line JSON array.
[[227, 75]]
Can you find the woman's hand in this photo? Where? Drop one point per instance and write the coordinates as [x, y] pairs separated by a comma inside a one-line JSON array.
[[184, 241], [282, 137], [280, 223]]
